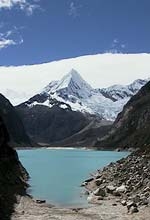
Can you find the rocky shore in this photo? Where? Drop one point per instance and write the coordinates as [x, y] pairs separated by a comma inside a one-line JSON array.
[[119, 191], [127, 181], [28, 209]]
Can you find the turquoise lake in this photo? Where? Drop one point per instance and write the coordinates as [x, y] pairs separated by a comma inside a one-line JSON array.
[[56, 174]]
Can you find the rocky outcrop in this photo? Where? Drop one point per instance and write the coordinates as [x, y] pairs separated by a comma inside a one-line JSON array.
[[128, 180], [12, 175], [13, 122], [131, 129]]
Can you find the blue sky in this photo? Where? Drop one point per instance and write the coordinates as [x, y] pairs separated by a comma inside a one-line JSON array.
[[37, 31]]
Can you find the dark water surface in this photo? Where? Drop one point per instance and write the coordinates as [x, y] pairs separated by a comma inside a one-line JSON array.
[[56, 174]]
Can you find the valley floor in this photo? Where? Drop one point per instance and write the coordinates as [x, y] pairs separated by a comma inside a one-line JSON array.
[[27, 209]]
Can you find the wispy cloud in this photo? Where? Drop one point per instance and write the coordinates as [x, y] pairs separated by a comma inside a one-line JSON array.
[[74, 9], [6, 42], [116, 46], [23, 5], [10, 38]]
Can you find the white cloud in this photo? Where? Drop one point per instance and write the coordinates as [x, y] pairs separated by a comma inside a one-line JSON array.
[[30, 9], [99, 70], [9, 42], [74, 10], [10, 3], [24, 5], [6, 42], [8, 33], [9, 38]]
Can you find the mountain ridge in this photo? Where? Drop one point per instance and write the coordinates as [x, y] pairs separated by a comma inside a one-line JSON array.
[[20, 83], [74, 91], [72, 101], [131, 127]]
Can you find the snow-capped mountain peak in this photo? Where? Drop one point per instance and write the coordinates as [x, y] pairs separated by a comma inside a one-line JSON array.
[[50, 86], [71, 85], [137, 84], [73, 75], [73, 91], [119, 92]]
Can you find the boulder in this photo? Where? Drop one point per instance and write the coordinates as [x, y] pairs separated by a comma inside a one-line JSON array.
[[98, 182], [84, 184], [110, 188], [134, 210], [123, 202], [136, 198], [144, 201], [115, 193], [99, 192], [121, 189], [94, 199], [133, 205], [40, 201]]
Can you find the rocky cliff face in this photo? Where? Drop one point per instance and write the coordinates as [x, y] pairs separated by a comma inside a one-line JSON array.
[[12, 175], [132, 126], [18, 136]]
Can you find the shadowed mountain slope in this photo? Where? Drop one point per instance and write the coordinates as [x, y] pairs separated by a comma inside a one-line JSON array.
[[132, 126], [13, 176], [47, 125], [13, 122]]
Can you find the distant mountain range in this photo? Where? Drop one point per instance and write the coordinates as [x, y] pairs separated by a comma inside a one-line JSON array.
[[19, 83], [69, 112], [74, 92]]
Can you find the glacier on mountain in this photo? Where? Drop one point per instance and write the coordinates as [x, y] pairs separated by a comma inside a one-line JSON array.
[[73, 90]]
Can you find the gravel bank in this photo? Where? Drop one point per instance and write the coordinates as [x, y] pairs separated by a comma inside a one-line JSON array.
[[27, 209]]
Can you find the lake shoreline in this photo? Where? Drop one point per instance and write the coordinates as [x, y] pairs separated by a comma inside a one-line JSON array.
[[108, 208], [28, 209], [48, 167], [74, 148]]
